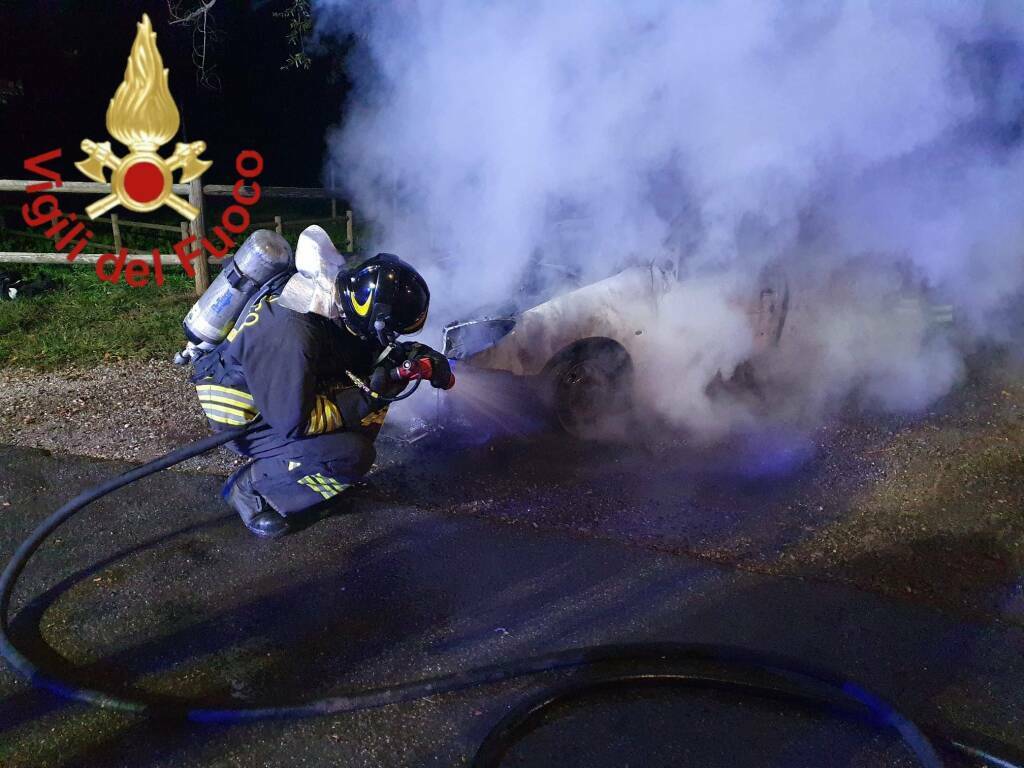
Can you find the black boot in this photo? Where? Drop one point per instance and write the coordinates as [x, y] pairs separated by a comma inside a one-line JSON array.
[[254, 510]]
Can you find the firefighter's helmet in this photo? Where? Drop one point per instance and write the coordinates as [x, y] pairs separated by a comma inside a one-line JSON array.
[[383, 297]]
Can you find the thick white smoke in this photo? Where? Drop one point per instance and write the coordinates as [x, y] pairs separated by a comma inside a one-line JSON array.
[[866, 147]]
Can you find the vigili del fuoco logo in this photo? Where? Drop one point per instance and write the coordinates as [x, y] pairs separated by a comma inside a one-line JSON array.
[[143, 117]]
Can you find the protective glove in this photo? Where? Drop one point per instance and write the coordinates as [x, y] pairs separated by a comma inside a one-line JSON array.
[[383, 382], [441, 370]]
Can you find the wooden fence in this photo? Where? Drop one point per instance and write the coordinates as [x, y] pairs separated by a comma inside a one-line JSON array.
[[196, 193]]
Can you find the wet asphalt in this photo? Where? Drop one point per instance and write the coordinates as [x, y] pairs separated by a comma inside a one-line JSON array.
[[459, 556]]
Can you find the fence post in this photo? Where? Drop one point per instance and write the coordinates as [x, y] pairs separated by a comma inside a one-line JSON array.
[[195, 197], [350, 237], [117, 232], [278, 225]]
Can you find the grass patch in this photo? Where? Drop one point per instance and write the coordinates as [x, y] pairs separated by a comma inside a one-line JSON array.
[[88, 321]]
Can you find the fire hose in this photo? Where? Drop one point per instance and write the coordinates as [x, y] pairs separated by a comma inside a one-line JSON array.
[[415, 371], [794, 681]]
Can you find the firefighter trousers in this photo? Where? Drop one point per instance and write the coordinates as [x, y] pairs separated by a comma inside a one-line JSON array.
[[295, 474]]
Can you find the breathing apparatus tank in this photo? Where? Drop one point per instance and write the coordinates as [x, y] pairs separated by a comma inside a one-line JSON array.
[[262, 256]]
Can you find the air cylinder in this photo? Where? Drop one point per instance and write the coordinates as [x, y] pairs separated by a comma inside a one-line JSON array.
[[263, 255]]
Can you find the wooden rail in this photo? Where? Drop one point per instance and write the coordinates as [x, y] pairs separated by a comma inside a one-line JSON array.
[[28, 257], [115, 219], [196, 194], [216, 190], [73, 187]]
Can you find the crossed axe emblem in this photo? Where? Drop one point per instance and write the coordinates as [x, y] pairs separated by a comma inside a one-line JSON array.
[[142, 180]]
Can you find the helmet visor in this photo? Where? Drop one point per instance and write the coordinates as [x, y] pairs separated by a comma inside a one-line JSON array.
[[409, 306]]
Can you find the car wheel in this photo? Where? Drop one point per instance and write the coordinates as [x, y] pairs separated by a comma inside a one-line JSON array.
[[592, 390]]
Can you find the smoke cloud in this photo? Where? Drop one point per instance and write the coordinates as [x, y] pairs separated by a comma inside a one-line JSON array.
[[869, 151]]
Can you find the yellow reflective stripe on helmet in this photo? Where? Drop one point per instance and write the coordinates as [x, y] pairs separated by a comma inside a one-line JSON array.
[[364, 308], [226, 390]]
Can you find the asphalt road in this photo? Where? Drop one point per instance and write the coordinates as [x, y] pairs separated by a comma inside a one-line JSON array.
[[463, 556]]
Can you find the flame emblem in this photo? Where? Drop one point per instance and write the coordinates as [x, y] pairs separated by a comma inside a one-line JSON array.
[[143, 117]]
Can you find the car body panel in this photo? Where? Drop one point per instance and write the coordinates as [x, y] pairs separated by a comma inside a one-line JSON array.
[[621, 307], [618, 308]]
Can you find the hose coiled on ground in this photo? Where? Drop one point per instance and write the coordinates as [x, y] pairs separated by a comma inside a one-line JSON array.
[[815, 682]]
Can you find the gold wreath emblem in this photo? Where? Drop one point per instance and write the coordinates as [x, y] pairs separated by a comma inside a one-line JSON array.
[[143, 117]]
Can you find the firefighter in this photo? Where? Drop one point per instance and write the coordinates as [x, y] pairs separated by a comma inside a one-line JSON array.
[[305, 356]]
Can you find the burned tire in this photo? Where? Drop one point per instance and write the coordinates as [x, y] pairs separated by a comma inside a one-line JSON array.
[[592, 389]]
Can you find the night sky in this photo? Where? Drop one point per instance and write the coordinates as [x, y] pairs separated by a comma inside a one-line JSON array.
[[69, 57]]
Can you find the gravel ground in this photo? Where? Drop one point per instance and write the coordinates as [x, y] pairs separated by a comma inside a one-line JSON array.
[[925, 508], [120, 410]]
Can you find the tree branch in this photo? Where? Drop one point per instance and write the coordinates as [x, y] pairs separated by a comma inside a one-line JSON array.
[[203, 8]]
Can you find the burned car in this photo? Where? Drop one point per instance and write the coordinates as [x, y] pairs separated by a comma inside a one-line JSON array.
[[579, 348]]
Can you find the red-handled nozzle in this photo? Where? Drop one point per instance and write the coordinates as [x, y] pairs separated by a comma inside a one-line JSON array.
[[421, 368], [411, 370]]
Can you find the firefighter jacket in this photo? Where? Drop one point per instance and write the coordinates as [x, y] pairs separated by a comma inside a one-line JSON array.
[[291, 368]]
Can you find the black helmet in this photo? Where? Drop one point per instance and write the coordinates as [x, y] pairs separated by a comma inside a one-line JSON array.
[[383, 297]]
